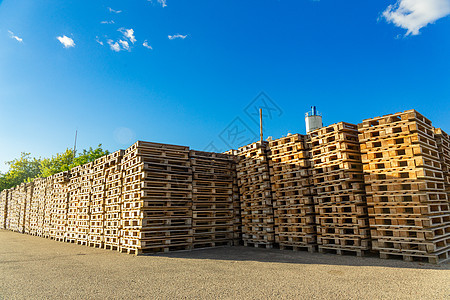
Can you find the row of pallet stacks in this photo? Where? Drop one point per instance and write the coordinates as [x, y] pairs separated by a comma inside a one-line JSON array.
[[409, 209], [339, 194], [443, 144], [113, 200], [212, 199], [157, 198], [291, 184], [257, 215]]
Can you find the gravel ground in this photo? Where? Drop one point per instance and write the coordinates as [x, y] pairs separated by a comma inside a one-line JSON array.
[[36, 268]]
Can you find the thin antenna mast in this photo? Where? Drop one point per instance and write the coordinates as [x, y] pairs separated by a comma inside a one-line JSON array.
[[260, 124], [75, 145]]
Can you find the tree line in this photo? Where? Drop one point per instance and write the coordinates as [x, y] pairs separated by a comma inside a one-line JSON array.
[[26, 168]]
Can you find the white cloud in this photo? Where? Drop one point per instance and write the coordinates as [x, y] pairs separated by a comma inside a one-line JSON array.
[[13, 36], [129, 34], [146, 45], [114, 11], [413, 15], [98, 41], [107, 22], [114, 45], [162, 2], [66, 41], [177, 36], [125, 45]]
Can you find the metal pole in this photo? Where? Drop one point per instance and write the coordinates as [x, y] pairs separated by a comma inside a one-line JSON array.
[[261, 124], [75, 145]]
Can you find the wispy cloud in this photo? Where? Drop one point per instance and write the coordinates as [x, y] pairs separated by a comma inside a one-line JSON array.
[[13, 36], [114, 11], [414, 15], [66, 41], [107, 22], [114, 45], [98, 41], [124, 45], [146, 45], [163, 3], [177, 36], [129, 34]]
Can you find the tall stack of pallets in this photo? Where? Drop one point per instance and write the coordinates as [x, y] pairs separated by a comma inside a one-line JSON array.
[[113, 200], [60, 201], [97, 203], [339, 196], [256, 196], [3, 208], [157, 198], [409, 208], [443, 143], [29, 202], [47, 208], [291, 183], [212, 199], [22, 206], [38, 206], [74, 200], [83, 212]]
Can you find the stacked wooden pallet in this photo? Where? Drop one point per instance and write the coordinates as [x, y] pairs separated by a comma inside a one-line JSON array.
[[29, 202], [3, 208], [21, 206], [74, 200], [97, 203], [48, 207], [40, 185], [405, 187], [113, 200], [443, 144], [157, 198], [60, 200], [212, 202], [292, 193], [340, 201], [256, 196], [83, 212]]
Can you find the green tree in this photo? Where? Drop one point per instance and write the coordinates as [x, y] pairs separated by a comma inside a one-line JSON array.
[[57, 163], [20, 170], [90, 155]]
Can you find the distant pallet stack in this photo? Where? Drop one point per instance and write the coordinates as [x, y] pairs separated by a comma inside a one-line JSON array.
[[443, 143], [256, 196], [40, 185], [60, 200], [83, 211], [113, 200], [405, 187], [22, 206], [3, 208], [74, 201], [340, 200], [29, 202], [292, 193], [157, 198], [48, 207], [212, 203], [97, 203]]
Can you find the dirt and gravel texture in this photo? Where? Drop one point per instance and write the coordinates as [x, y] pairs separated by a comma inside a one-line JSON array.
[[38, 268]]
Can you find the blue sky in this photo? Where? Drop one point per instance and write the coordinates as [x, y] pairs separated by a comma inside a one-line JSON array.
[[82, 65]]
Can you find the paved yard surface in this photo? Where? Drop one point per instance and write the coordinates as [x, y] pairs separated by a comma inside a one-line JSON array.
[[36, 268]]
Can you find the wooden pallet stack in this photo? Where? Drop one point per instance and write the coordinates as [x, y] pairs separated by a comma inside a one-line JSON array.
[[113, 200], [292, 193], [9, 209], [443, 144], [256, 196], [97, 203], [74, 200], [157, 198], [212, 199], [60, 200], [339, 194], [29, 202], [38, 206], [83, 212], [22, 207], [409, 208], [48, 207], [3, 208]]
